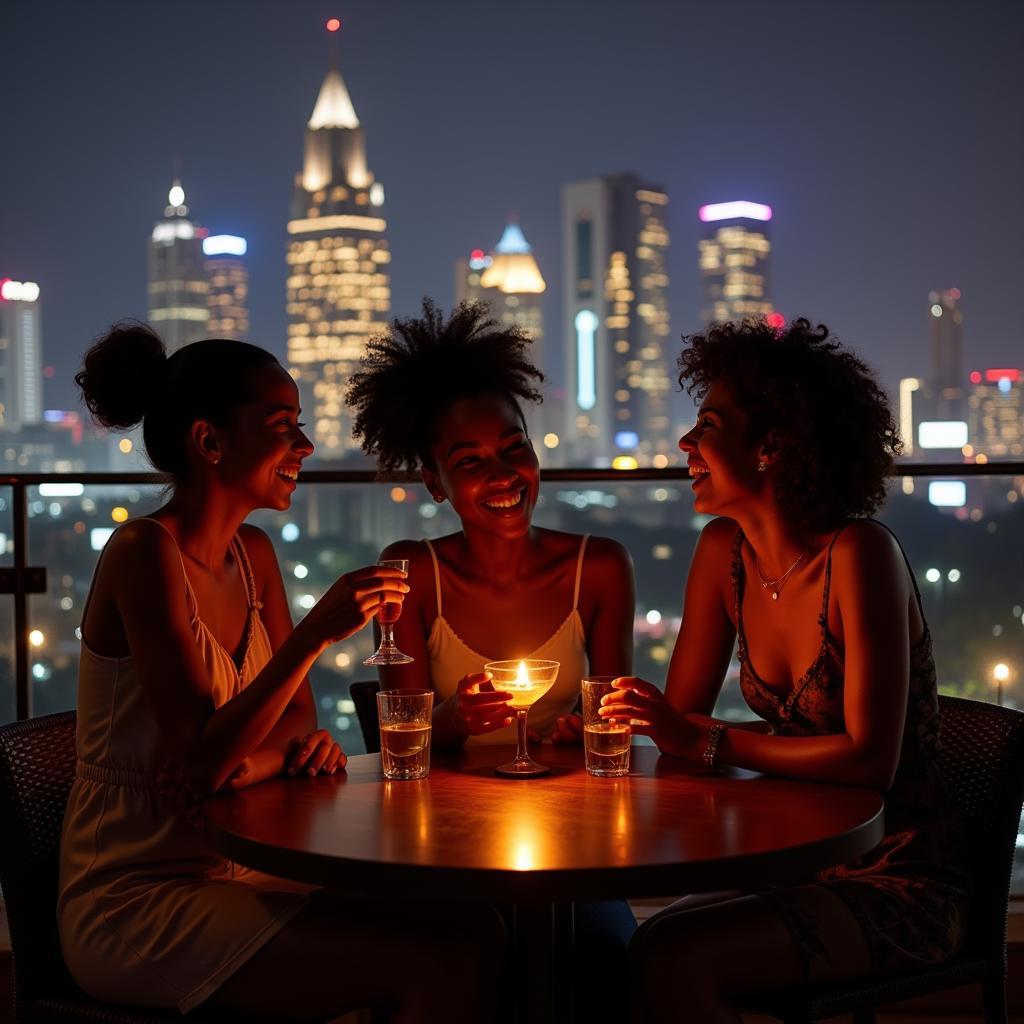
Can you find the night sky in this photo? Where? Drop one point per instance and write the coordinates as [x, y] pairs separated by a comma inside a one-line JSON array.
[[888, 137]]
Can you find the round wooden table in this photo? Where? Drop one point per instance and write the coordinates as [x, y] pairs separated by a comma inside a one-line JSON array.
[[542, 844]]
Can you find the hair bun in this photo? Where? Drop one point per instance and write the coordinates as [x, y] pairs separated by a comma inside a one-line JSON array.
[[122, 374]]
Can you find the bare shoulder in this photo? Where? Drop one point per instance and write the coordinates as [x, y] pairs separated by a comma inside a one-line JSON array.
[[865, 546], [260, 549], [716, 540], [140, 559], [606, 558]]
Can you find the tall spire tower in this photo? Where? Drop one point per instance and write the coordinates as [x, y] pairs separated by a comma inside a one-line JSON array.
[[339, 288]]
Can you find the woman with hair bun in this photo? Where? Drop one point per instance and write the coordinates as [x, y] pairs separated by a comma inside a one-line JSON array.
[[791, 449], [192, 680]]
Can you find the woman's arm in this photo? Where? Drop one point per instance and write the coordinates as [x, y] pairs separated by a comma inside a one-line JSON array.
[[608, 575], [148, 588]]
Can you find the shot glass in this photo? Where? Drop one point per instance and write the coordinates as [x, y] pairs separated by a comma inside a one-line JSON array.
[[605, 740], [405, 724]]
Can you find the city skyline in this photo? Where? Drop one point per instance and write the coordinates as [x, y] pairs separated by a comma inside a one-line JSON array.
[[866, 222]]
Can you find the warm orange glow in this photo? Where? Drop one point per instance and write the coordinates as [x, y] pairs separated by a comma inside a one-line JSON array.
[[333, 24]]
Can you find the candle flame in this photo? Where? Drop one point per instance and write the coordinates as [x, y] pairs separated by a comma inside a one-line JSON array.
[[522, 677]]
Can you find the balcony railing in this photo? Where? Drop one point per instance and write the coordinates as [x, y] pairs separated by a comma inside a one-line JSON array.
[[22, 579]]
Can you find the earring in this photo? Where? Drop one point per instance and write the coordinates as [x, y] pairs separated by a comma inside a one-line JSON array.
[[215, 459], [762, 466], [438, 498]]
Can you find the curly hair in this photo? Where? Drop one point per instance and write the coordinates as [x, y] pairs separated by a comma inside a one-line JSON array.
[[412, 374], [837, 436]]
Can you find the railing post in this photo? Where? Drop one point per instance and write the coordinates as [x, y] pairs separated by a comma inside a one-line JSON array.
[[19, 517]]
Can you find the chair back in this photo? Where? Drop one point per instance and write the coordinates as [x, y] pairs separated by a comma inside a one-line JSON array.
[[364, 696], [983, 757], [37, 767]]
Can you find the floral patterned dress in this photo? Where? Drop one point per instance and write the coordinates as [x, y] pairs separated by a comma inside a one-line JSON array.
[[910, 894]]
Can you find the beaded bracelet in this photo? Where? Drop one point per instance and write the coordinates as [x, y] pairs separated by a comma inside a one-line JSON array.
[[710, 755]]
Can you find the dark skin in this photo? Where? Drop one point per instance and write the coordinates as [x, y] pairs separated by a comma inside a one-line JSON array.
[[507, 582], [335, 955], [718, 952]]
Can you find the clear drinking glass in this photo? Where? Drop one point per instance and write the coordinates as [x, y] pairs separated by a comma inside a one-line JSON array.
[[527, 681], [405, 727], [605, 740], [390, 612]]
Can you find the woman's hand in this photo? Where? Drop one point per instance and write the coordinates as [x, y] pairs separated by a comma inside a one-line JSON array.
[[478, 707], [568, 729], [352, 601], [316, 754], [650, 714]]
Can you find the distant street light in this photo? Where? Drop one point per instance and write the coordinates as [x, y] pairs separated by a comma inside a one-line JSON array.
[[1000, 673]]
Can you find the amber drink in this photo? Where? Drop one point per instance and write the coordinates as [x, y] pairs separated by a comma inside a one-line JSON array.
[[405, 726], [605, 741]]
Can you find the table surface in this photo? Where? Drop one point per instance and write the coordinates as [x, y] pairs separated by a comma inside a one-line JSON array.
[[464, 833]]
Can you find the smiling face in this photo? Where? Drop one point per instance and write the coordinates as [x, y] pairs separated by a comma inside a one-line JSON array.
[[484, 464], [721, 455], [262, 449]]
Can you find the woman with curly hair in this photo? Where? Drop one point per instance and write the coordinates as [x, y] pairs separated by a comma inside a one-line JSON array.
[[791, 448], [442, 396]]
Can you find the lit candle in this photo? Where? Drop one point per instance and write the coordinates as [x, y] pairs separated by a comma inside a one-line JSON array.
[[525, 689]]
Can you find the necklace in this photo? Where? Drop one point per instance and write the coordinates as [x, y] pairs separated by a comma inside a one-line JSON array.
[[775, 586]]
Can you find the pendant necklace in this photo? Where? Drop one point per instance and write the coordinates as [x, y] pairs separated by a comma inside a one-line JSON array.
[[775, 586]]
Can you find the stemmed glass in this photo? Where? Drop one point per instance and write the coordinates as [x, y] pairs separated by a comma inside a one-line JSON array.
[[527, 681], [390, 612]]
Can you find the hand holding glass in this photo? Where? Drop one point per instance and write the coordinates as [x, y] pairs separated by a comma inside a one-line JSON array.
[[390, 612], [527, 681], [605, 740], [405, 725]]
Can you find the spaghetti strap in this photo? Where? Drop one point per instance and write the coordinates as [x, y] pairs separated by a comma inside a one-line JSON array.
[[437, 576], [906, 562], [579, 572], [242, 557], [823, 617]]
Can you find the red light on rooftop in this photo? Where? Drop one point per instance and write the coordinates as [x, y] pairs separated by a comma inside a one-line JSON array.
[[476, 254], [975, 376], [3, 281], [995, 376], [333, 24], [776, 321]]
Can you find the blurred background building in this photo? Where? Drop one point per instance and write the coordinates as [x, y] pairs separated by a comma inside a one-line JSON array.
[[615, 322], [228, 278], [21, 355], [734, 256], [178, 288]]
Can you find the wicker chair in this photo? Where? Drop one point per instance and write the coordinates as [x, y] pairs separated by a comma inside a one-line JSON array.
[[983, 749], [364, 696], [37, 765]]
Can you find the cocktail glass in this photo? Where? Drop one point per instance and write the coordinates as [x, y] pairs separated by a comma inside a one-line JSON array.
[[527, 681], [387, 652]]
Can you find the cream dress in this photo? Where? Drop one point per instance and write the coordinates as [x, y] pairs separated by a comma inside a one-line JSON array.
[[148, 912], [451, 658]]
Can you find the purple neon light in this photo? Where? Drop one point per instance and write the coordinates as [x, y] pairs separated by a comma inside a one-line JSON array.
[[740, 208]]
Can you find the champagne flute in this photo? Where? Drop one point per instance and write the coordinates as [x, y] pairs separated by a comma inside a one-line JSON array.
[[389, 613], [527, 681]]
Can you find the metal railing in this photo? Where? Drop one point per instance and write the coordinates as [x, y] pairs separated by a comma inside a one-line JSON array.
[[22, 579]]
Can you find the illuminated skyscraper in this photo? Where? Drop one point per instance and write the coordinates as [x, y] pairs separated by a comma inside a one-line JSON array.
[[228, 277], [734, 261], [510, 282], [339, 288], [615, 244], [178, 289], [21, 355]]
